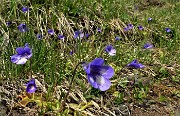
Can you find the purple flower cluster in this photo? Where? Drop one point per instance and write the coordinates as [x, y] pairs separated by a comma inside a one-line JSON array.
[[98, 74]]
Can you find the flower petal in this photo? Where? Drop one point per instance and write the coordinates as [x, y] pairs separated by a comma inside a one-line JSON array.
[[81, 35], [28, 56], [112, 52], [92, 81], [15, 58], [108, 73], [76, 34], [85, 66], [108, 48], [105, 86], [22, 60], [97, 61], [26, 45], [20, 50], [87, 35], [27, 50], [134, 61]]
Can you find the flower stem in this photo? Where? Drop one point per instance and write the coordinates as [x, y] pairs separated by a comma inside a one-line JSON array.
[[70, 86], [31, 68]]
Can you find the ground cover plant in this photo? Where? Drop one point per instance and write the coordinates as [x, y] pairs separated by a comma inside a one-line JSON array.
[[89, 57]]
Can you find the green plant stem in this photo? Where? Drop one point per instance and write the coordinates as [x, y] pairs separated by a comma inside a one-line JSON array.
[[70, 86], [31, 68]]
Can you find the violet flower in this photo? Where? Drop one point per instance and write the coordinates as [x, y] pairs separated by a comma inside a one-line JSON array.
[[61, 37], [71, 52], [99, 74], [140, 27], [135, 64], [149, 19], [117, 38], [128, 27], [109, 49], [168, 30], [31, 86], [99, 30], [22, 27], [148, 46], [23, 54], [87, 35], [50, 32], [25, 9], [8, 23], [78, 34], [39, 36]]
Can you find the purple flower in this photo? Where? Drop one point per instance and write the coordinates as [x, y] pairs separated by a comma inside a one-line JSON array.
[[135, 64], [78, 34], [149, 19], [109, 49], [31, 86], [140, 27], [168, 30], [22, 27], [50, 32], [128, 27], [148, 46], [71, 52], [61, 37], [8, 23], [99, 30], [25, 9], [98, 74], [39, 36], [117, 38], [87, 35], [23, 54]]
